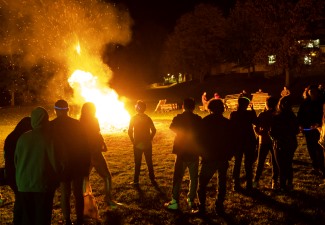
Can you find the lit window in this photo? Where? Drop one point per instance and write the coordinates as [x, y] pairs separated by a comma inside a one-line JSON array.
[[307, 60], [316, 43], [271, 59]]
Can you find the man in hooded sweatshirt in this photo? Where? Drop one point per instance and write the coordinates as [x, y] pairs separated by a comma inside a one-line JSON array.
[[37, 169]]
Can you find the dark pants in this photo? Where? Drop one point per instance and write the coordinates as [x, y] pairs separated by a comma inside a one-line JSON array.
[[263, 151], [77, 186], [284, 158], [37, 207], [138, 159], [99, 163], [315, 150], [179, 170], [18, 208], [248, 161], [208, 169]]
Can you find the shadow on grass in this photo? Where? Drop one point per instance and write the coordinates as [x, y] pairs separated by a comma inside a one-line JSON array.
[[299, 210]]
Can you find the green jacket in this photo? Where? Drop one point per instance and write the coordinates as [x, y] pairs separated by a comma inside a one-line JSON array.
[[37, 167]]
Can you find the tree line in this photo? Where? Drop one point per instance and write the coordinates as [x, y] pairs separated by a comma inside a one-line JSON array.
[[253, 31]]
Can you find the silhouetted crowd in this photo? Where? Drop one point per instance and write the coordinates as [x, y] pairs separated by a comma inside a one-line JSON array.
[[43, 155]]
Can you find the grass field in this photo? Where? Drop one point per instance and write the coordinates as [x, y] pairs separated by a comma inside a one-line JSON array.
[[304, 205]]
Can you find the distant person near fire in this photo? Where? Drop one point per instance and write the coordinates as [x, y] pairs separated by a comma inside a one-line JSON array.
[[141, 132]]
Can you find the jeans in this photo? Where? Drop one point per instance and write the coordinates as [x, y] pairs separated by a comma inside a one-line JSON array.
[[77, 185], [208, 169], [37, 207], [138, 159], [179, 170], [248, 161], [284, 158], [263, 151]]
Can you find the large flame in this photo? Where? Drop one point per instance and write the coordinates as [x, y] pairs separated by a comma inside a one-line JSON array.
[[111, 113]]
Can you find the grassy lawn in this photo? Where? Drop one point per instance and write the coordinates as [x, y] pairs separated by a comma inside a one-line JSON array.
[[304, 205]]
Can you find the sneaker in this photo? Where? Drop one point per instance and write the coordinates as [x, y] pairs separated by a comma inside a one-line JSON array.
[[200, 212], [2, 201], [191, 204], [135, 184], [275, 185], [172, 205], [255, 184]]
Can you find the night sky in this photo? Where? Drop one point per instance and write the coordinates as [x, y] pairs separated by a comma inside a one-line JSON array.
[[166, 12]]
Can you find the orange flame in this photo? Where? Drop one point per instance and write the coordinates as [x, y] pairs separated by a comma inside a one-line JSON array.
[[111, 113]]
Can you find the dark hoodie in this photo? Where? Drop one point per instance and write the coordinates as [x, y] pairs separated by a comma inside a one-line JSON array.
[[35, 160], [23, 126]]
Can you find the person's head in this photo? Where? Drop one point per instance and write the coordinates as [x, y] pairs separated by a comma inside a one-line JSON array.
[[216, 106], [243, 103], [271, 103], [25, 124], [141, 106], [284, 104], [39, 117], [204, 93], [188, 104], [216, 95], [88, 109], [61, 107]]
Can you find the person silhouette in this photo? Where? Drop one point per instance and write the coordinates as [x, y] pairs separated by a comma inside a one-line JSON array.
[[217, 150], [141, 133], [90, 126], [9, 148], [186, 147], [243, 121], [76, 156]]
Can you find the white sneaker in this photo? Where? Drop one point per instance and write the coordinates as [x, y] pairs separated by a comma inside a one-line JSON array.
[[256, 184], [190, 203], [172, 205]]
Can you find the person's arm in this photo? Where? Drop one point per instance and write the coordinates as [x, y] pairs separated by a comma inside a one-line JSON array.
[[153, 129], [257, 127], [130, 131], [174, 125]]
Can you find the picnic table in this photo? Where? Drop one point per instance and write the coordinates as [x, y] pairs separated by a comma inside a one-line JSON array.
[[162, 106]]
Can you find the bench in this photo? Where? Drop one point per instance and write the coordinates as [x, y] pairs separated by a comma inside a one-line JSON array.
[[231, 101], [259, 100], [162, 106]]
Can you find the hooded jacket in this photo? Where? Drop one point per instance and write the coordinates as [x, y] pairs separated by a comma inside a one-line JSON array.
[[36, 163]]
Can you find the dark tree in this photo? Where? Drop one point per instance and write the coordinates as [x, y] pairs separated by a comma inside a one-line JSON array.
[[194, 46], [283, 25]]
